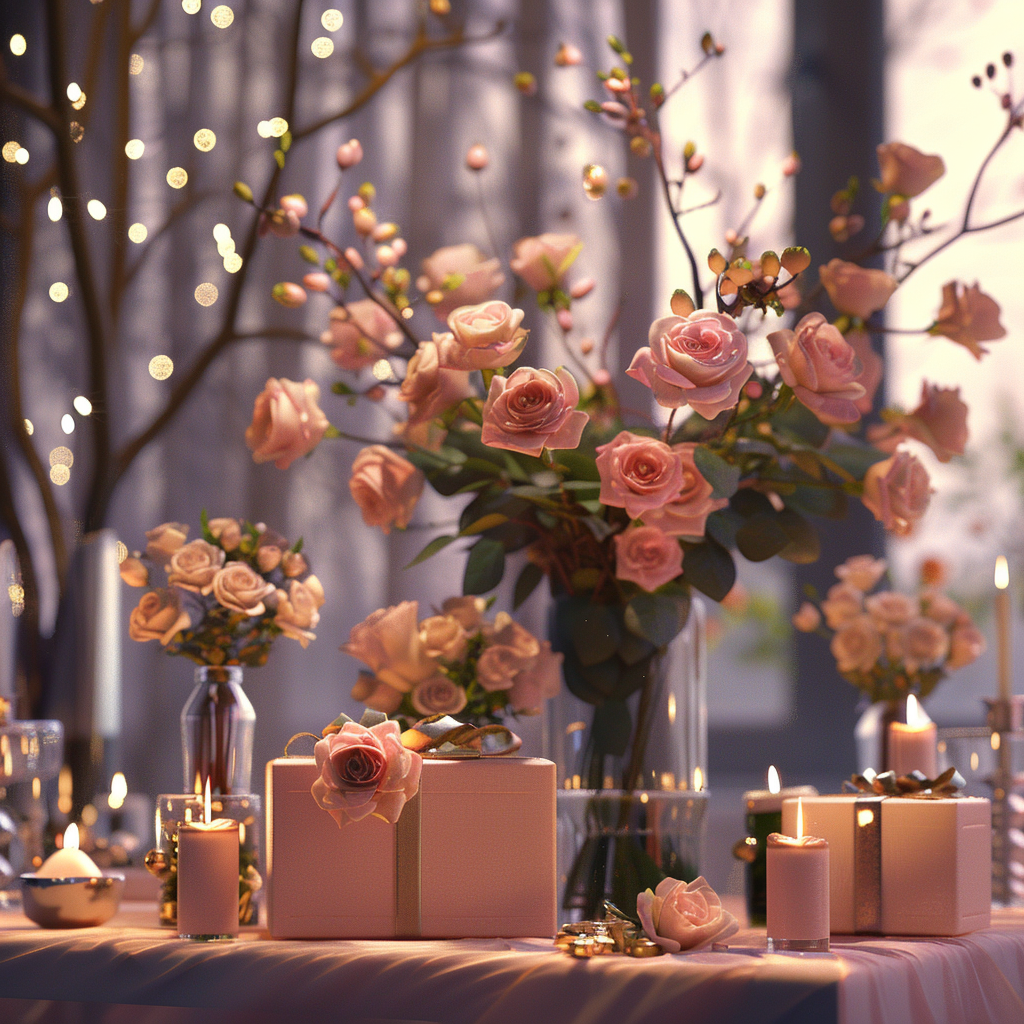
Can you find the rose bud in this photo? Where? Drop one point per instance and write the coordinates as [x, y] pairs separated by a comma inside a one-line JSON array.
[[349, 154]]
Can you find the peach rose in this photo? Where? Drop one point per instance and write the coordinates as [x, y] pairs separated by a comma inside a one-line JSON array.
[[477, 277], [268, 557], [687, 514], [385, 486], [293, 563], [939, 421], [806, 618], [533, 410], [966, 643], [159, 616], [940, 608], [438, 695], [133, 572], [543, 261], [360, 333], [638, 473], [856, 291], [889, 608], [819, 364], [298, 610], [907, 171], [842, 603], [646, 556], [921, 643], [483, 337], [428, 388], [862, 571], [365, 771], [968, 316], [286, 422], [227, 532], [698, 360], [871, 367], [240, 588], [164, 540], [375, 694], [194, 565], [857, 645], [388, 641], [444, 637], [537, 682], [680, 916], [897, 492], [468, 611], [497, 666], [507, 632]]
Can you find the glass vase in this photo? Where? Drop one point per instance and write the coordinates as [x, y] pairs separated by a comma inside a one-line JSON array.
[[632, 811], [218, 723]]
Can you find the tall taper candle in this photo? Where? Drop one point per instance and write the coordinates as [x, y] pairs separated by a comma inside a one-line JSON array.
[[1002, 581]]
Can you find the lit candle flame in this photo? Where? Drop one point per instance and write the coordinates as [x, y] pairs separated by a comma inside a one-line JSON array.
[[118, 791], [915, 716], [1002, 574], [207, 815], [71, 837], [774, 782], [799, 818]]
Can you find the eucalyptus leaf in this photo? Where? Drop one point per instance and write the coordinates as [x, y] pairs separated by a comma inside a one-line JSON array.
[[612, 727], [592, 629], [804, 544], [604, 676], [657, 617], [526, 583], [722, 475], [484, 567], [709, 567], [761, 537]]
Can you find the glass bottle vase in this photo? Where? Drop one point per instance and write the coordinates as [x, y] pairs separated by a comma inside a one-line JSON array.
[[218, 724]]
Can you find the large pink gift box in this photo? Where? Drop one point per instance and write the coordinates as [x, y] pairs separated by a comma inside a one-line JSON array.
[[903, 866], [472, 856]]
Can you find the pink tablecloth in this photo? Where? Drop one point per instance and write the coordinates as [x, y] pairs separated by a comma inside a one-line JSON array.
[[133, 972]]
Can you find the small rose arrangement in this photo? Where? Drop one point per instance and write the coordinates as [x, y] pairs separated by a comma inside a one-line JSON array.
[[679, 916], [454, 662], [886, 643], [228, 594]]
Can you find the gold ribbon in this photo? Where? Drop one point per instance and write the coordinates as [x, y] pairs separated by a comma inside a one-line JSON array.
[[916, 785], [408, 922], [442, 736]]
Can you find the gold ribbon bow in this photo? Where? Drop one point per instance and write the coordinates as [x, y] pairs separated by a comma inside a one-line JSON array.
[[442, 736], [916, 785]]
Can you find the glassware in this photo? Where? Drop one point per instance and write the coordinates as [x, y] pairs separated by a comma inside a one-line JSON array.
[[218, 724]]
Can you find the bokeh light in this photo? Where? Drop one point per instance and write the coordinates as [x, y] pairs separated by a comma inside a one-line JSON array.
[[204, 140], [58, 291], [54, 209], [161, 367], [134, 148], [332, 19], [82, 405], [206, 294], [177, 177], [61, 456], [60, 475], [322, 47], [96, 209], [222, 16], [18, 44], [135, 64], [67, 423], [138, 233]]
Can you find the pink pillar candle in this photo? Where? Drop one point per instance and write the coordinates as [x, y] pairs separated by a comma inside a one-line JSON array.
[[798, 893], [913, 747], [208, 879]]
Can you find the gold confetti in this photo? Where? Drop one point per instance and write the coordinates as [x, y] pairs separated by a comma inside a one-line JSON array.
[[76, 131], [54, 209], [221, 232], [21, 156], [74, 90], [138, 233], [135, 64], [206, 294], [18, 44], [222, 16], [60, 475], [10, 150], [122, 551], [58, 291], [80, 102], [16, 592], [204, 140], [322, 47], [226, 247], [96, 209], [191, 6], [278, 126], [62, 456], [82, 405], [332, 20], [262, 130], [134, 148], [29, 428], [233, 263], [177, 177], [161, 367]]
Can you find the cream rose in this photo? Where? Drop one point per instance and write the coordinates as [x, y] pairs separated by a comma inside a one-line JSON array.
[[227, 532], [638, 473], [842, 603], [497, 666], [297, 612], [483, 337], [388, 641], [438, 695], [158, 616], [862, 571], [477, 277], [240, 588], [293, 564], [194, 565], [968, 316], [647, 556], [386, 487], [533, 410], [134, 572], [889, 608], [286, 422], [268, 557], [680, 916], [687, 514], [921, 643], [164, 540], [443, 637], [469, 611], [940, 608], [360, 333], [508, 633], [365, 771], [819, 364], [857, 645], [966, 644], [856, 291], [906, 171], [543, 261], [698, 360], [897, 492]]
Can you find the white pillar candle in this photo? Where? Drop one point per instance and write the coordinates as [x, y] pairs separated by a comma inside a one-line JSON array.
[[912, 744], [798, 893], [208, 878]]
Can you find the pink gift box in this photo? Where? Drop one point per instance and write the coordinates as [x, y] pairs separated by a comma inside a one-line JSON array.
[[473, 856], [903, 866]]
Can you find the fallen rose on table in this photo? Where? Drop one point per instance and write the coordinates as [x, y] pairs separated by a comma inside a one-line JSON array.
[[680, 916]]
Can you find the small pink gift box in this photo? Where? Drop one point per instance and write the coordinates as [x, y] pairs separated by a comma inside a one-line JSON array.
[[903, 866], [472, 856]]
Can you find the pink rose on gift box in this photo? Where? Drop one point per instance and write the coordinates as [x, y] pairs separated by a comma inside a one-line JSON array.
[[478, 277], [968, 316], [365, 771], [438, 695], [819, 364], [388, 641], [906, 171], [857, 645], [428, 388], [194, 565], [360, 333], [286, 422], [638, 473], [861, 571], [543, 261], [680, 916], [240, 589], [483, 337], [533, 410], [164, 540], [897, 492], [939, 421], [698, 360], [647, 556], [686, 515], [385, 486], [856, 291], [159, 616]]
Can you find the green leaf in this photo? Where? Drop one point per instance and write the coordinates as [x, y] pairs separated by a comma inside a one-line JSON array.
[[339, 387], [804, 544], [593, 630], [761, 537], [818, 501], [854, 456], [709, 568], [612, 727], [331, 431], [527, 583], [279, 157], [585, 579], [243, 191], [723, 476], [484, 567], [657, 617], [437, 544], [798, 421], [483, 523]]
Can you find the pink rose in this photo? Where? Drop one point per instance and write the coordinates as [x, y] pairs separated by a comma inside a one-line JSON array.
[[871, 367], [508, 632], [298, 611], [842, 603], [638, 473], [385, 486], [483, 337], [646, 556], [376, 694], [819, 364], [468, 611], [968, 316], [497, 666], [365, 771], [428, 389], [293, 563], [538, 682], [889, 608], [686, 515], [806, 618], [939, 421], [543, 261], [240, 588], [698, 360], [921, 643], [268, 557], [159, 616], [857, 645], [907, 171], [965, 645], [444, 637], [388, 641], [360, 333], [897, 492], [164, 540], [227, 532], [533, 410], [939, 608], [861, 571], [680, 916], [854, 290], [475, 278], [194, 565], [286, 422], [438, 695], [133, 572]]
